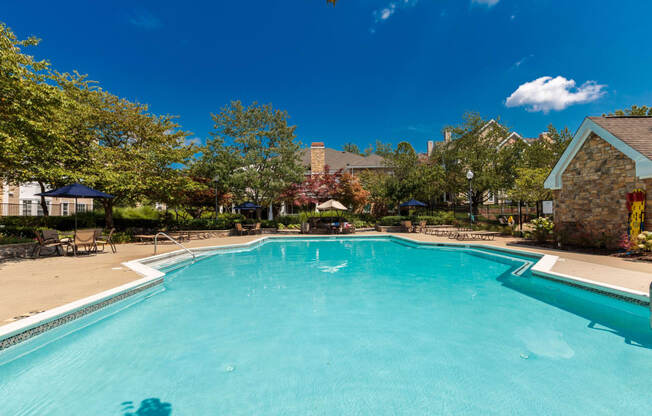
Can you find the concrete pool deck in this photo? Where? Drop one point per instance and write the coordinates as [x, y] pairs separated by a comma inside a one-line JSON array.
[[30, 286]]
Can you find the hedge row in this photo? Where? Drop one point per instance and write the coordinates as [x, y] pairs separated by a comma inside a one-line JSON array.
[[438, 219]]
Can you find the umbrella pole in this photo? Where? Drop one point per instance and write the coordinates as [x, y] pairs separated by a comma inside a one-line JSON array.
[[75, 215]]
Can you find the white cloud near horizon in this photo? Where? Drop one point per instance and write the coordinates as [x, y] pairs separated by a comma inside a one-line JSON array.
[[548, 93], [384, 13], [488, 3]]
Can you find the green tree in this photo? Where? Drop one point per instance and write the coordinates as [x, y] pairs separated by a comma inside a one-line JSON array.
[[377, 184], [351, 148], [545, 152], [633, 111], [528, 186], [475, 147], [254, 152], [44, 135], [135, 154]]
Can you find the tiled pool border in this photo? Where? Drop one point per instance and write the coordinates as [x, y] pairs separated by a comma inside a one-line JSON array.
[[19, 331]]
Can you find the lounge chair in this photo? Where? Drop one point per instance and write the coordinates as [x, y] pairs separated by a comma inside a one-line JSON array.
[[48, 239], [104, 241], [474, 235], [407, 227], [422, 227], [256, 229], [85, 239]]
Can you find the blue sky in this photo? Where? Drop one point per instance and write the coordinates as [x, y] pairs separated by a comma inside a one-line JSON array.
[[363, 70]]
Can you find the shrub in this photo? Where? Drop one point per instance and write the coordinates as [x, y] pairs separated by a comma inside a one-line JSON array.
[[392, 220], [641, 243], [137, 213], [543, 229]]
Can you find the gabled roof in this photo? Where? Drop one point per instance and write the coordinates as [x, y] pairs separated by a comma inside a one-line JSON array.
[[339, 159], [632, 136], [635, 131]]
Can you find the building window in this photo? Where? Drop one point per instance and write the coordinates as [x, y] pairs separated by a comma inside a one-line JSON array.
[[65, 209], [81, 207], [27, 207], [39, 208]]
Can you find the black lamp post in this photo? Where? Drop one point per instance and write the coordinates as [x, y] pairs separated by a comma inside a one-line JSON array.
[[216, 181], [469, 176]]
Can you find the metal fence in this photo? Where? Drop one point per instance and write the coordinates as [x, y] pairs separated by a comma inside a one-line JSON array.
[[490, 211], [33, 209]]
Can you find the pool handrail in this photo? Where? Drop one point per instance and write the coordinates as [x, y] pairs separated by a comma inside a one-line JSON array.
[[194, 257]]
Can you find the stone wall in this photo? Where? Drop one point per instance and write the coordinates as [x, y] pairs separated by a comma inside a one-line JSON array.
[[23, 250], [594, 189]]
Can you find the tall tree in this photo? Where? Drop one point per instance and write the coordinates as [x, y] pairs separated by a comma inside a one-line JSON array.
[[43, 132], [475, 147], [254, 152], [377, 184], [135, 154], [351, 148], [528, 185]]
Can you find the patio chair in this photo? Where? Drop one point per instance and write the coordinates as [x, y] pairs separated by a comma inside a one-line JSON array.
[[422, 226], [48, 239], [85, 239], [407, 227], [239, 230], [104, 241], [256, 229]]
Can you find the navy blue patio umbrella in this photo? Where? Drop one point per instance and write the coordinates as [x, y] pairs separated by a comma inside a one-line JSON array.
[[76, 190], [413, 203], [247, 206]]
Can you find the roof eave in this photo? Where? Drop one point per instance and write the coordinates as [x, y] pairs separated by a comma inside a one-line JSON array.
[[588, 126]]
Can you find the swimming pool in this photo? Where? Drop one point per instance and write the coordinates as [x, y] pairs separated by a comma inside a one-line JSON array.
[[343, 326]]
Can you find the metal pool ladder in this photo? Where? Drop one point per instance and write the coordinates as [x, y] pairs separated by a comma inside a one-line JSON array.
[[194, 257]]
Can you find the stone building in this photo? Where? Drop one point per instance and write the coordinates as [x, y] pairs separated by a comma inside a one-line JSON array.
[[608, 158]]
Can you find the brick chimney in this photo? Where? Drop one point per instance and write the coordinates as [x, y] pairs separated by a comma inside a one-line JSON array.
[[447, 136], [431, 146], [317, 157]]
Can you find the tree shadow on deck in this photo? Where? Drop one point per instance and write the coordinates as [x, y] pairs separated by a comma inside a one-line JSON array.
[[148, 407]]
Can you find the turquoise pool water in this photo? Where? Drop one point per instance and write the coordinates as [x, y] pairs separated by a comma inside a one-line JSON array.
[[346, 327]]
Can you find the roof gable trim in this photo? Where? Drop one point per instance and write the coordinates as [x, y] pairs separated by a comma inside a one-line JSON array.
[[643, 164]]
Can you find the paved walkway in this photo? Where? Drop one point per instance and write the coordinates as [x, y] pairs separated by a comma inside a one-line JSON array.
[[30, 286]]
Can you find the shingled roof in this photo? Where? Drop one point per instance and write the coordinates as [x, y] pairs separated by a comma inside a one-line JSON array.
[[632, 136], [339, 159], [636, 132]]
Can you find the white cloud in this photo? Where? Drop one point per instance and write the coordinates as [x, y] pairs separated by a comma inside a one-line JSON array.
[[548, 93], [488, 3], [384, 13], [520, 62]]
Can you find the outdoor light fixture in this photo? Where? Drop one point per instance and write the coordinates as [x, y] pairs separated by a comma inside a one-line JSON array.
[[469, 176]]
